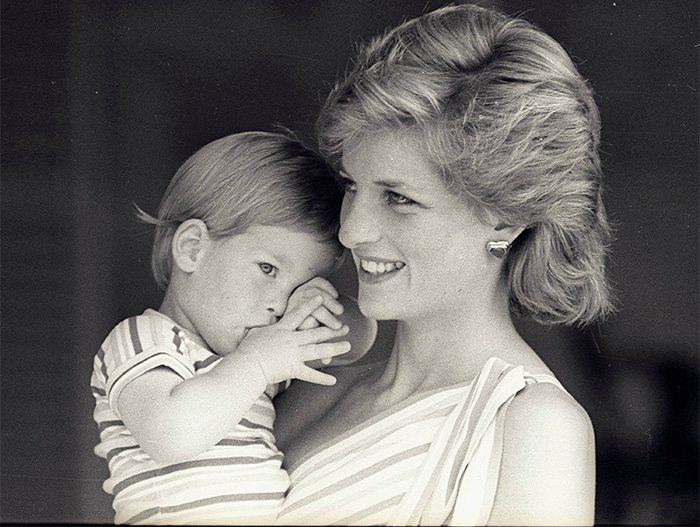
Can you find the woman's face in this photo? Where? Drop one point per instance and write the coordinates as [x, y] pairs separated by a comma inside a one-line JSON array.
[[419, 249]]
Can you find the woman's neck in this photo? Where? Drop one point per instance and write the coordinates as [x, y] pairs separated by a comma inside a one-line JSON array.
[[451, 347]]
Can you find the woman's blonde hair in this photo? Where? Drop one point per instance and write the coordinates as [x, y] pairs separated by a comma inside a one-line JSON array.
[[245, 179], [513, 128]]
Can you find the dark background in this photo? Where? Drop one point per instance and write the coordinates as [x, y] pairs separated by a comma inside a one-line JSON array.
[[102, 101]]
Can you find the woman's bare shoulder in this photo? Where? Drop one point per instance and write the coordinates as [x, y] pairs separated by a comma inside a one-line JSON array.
[[544, 401], [542, 419], [548, 463]]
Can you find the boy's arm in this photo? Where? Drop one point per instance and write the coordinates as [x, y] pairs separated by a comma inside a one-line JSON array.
[[174, 419]]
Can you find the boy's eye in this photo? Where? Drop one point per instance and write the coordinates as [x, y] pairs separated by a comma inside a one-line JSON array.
[[394, 198], [268, 268]]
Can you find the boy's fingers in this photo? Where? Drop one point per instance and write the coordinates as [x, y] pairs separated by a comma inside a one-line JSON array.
[[322, 283], [329, 301], [325, 350], [320, 334], [309, 322], [334, 306], [293, 318], [326, 318], [310, 375]]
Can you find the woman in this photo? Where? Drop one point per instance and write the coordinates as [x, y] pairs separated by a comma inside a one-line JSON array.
[[467, 143]]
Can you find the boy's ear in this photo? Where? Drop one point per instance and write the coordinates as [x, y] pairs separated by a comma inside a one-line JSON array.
[[190, 241]]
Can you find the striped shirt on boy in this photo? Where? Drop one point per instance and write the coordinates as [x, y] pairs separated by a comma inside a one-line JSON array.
[[237, 481]]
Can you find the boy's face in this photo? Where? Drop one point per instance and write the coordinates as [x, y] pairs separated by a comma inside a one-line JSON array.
[[244, 281]]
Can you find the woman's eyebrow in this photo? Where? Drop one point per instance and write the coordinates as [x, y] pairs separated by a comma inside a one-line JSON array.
[[397, 184], [392, 183], [389, 183]]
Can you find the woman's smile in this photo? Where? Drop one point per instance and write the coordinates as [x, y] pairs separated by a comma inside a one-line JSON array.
[[417, 246], [372, 269]]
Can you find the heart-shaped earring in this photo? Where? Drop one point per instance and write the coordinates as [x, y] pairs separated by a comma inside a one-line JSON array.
[[498, 249]]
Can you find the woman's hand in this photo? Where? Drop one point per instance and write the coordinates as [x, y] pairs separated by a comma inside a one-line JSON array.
[[282, 349]]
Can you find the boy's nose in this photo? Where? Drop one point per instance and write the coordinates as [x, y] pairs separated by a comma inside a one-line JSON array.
[[276, 308]]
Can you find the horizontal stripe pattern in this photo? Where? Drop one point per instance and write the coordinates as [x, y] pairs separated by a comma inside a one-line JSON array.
[[238, 481], [185, 508], [430, 460]]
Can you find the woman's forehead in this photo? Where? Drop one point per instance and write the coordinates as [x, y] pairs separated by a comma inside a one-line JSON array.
[[397, 161], [390, 157]]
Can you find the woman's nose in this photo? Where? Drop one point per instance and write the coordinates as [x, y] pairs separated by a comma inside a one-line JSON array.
[[358, 223]]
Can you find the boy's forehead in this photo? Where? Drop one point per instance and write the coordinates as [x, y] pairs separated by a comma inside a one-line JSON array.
[[290, 245]]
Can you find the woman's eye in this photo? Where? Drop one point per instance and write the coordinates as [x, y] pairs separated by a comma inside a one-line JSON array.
[[268, 268], [394, 198], [348, 185]]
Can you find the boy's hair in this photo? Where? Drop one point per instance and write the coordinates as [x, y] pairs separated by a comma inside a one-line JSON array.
[[513, 128], [245, 179]]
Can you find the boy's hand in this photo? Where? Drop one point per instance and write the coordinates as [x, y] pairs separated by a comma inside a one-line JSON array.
[[281, 350], [324, 314]]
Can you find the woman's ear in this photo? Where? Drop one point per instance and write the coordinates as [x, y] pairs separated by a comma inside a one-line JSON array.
[[502, 239], [190, 241], [509, 233]]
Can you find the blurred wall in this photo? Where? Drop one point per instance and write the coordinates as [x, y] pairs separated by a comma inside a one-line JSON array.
[[101, 102]]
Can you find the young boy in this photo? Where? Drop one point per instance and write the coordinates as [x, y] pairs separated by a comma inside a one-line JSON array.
[[184, 394]]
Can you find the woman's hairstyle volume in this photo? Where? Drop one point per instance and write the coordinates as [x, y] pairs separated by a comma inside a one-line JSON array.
[[245, 179], [513, 128]]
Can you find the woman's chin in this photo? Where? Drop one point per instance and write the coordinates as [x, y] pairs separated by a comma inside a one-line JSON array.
[[379, 308]]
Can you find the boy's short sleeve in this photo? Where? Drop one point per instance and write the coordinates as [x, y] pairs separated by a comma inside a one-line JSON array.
[[137, 345]]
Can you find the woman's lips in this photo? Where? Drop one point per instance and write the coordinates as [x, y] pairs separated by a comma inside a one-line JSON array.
[[374, 270]]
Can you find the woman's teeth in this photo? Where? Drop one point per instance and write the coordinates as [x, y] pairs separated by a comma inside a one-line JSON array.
[[380, 267]]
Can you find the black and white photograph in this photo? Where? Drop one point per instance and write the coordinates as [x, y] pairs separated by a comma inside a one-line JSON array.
[[349, 262]]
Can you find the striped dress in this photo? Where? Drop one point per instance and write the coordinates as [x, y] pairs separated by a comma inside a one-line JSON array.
[[431, 460], [237, 481]]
